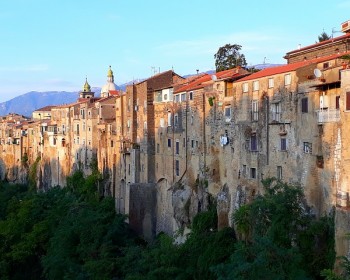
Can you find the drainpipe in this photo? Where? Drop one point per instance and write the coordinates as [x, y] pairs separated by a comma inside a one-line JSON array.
[[186, 144], [204, 137]]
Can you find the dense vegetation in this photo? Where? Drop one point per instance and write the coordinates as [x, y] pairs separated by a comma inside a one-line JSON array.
[[74, 233]]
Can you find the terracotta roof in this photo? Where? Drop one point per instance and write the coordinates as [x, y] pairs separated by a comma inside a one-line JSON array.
[[345, 36], [204, 79], [196, 83], [46, 108], [114, 92], [288, 67]]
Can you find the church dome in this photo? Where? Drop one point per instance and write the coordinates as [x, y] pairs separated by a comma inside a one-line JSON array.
[[110, 85], [86, 87], [110, 72]]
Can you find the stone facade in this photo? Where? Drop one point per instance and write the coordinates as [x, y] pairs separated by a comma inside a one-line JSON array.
[[167, 144]]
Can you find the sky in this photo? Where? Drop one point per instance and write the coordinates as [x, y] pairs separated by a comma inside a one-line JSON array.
[[54, 45]]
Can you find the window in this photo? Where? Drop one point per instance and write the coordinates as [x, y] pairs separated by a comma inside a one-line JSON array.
[[157, 147], [253, 173], [271, 83], [228, 112], [253, 143], [169, 119], [256, 85], [304, 105], [183, 97], [177, 98], [176, 120], [244, 171], [255, 114], [129, 104], [145, 126], [276, 112], [192, 117], [177, 168], [287, 79], [283, 144], [347, 106], [177, 147], [245, 87], [169, 143], [161, 122], [184, 142], [279, 172], [192, 143], [307, 147], [337, 99], [190, 96], [112, 143]]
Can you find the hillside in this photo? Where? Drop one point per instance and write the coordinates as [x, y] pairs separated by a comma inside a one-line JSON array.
[[27, 103]]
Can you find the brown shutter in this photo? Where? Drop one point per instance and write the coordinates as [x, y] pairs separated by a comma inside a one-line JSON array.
[[348, 100]]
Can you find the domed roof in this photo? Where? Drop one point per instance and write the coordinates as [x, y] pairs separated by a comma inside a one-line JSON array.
[[86, 87], [110, 72], [110, 85]]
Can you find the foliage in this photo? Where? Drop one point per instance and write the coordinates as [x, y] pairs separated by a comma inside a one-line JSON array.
[[228, 56], [73, 233], [32, 174], [205, 247], [279, 238], [67, 233], [323, 37]]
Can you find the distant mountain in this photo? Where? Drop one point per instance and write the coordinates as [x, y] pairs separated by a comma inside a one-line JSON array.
[[27, 103]]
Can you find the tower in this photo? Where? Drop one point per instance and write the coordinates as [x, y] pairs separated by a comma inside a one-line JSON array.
[[86, 92], [110, 85]]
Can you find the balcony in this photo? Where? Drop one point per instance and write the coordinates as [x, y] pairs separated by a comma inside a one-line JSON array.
[[328, 115]]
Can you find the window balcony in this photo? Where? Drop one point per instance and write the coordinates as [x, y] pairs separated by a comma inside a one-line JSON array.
[[328, 115]]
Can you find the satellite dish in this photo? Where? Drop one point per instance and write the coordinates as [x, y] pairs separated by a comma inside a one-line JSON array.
[[317, 73], [214, 78]]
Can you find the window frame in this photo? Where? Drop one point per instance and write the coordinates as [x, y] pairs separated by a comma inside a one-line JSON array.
[[255, 85], [288, 79], [271, 83], [245, 87]]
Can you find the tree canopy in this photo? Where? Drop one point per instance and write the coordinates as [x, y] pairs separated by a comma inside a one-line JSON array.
[[323, 37], [228, 57]]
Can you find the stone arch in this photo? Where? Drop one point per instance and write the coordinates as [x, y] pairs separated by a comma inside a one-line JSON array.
[[164, 207]]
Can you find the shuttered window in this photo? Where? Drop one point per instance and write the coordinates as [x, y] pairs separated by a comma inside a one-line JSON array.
[[348, 101]]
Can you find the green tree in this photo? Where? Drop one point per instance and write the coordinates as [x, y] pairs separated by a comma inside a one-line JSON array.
[[323, 37], [229, 56], [280, 239]]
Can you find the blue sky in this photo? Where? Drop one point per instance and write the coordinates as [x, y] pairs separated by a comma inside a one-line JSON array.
[[53, 45]]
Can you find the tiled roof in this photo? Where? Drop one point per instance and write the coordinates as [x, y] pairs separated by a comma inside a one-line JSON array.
[[46, 108], [205, 79], [288, 67], [320, 43], [114, 92]]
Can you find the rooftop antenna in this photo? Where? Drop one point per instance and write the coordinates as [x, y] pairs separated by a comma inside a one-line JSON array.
[[334, 31], [197, 71], [264, 60]]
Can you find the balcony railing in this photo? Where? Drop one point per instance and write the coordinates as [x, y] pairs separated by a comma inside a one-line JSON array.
[[328, 115]]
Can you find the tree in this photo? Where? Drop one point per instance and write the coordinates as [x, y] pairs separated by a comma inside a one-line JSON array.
[[228, 57], [323, 37], [280, 239]]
